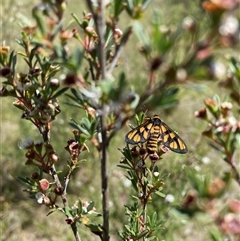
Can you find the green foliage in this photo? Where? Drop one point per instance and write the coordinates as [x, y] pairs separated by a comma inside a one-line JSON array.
[[78, 62]]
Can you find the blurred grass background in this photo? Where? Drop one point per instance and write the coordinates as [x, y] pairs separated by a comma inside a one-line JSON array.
[[23, 219]]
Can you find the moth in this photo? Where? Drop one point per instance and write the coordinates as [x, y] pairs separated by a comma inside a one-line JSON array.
[[153, 130]]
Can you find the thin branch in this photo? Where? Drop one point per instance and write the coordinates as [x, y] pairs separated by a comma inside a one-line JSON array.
[[99, 19], [75, 232], [104, 147], [119, 50], [235, 173], [64, 199], [101, 25], [104, 177], [55, 177]]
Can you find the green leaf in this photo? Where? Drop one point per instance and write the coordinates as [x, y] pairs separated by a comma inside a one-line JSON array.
[[165, 99], [128, 228], [124, 167], [234, 67], [214, 235], [77, 19], [117, 8], [86, 123], [142, 234], [80, 128], [57, 28], [145, 4], [37, 15], [52, 211], [142, 36], [237, 137], [126, 152], [160, 194], [95, 228], [135, 102], [79, 211], [67, 211], [60, 92], [14, 62], [27, 181], [90, 206], [154, 217], [94, 126]]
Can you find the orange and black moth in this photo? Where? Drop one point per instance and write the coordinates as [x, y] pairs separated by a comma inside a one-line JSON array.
[[154, 130]]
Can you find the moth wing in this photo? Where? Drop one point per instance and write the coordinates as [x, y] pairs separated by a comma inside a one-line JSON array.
[[172, 140], [140, 134]]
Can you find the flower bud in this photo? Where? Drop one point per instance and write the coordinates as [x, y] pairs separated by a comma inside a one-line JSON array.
[[212, 107], [5, 72], [189, 24], [155, 63], [118, 32], [154, 157], [225, 108], [30, 154], [216, 187], [66, 35], [90, 30], [35, 176], [69, 220], [208, 133], [234, 206], [88, 16], [54, 158], [142, 151], [44, 184], [58, 190], [34, 71], [4, 50], [46, 200], [201, 114]]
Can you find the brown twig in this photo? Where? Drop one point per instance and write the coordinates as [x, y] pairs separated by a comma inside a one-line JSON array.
[[99, 19]]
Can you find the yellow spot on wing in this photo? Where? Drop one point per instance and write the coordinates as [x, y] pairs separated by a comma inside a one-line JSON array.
[[182, 145], [137, 138], [164, 129], [131, 134], [165, 138], [145, 134]]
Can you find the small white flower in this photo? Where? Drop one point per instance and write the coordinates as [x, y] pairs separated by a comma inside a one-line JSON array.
[[197, 168], [55, 82], [181, 74], [156, 174], [74, 207], [229, 27], [232, 120], [218, 69], [23, 86], [164, 29], [169, 198], [40, 197], [206, 160], [127, 183], [140, 194]]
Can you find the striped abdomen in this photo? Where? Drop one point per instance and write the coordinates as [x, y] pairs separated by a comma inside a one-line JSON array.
[[153, 140]]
